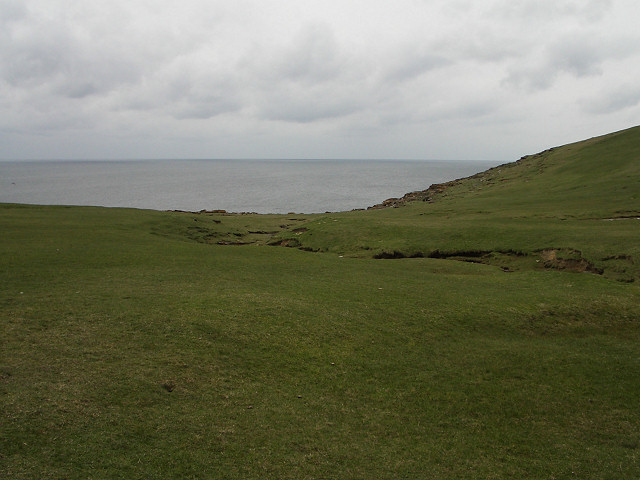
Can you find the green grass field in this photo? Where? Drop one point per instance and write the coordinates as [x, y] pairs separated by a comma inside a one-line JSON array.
[[141, 344]]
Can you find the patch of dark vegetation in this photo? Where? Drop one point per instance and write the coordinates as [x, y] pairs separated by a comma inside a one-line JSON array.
[[197, 229], [428, 195], [397, 254], [292, 243], [628, 258], [287, 242], [262, 232], [300, 230], [509, 260], [227, 242], [200, 212], [590, 319], [390, 255], [619, 267], [515, 253], [202, 234], [168, 386], [474, 256], [630, 443], [626, 279], [459, 254]]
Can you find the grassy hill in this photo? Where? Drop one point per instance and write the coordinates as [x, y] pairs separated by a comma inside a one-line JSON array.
[[143, 344], [579, 203]]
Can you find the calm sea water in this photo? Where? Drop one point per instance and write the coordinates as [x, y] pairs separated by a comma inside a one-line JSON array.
[[263, 186]]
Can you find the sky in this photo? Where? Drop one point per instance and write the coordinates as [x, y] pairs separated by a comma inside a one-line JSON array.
[[365, 79]]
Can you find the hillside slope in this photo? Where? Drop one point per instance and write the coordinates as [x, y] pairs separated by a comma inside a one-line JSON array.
[[592, 178], [579, 202]]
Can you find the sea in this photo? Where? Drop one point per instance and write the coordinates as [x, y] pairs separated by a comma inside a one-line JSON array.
[[261, 186]]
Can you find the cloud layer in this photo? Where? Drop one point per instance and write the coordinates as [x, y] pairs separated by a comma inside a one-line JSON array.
[[374, 79]]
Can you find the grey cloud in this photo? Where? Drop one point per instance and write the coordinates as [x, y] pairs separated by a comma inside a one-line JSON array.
[[530, 79], [312, 57], [32, 59], [310, 79], [77, 51], [76, 62], [310, 104], [621, 98], [552, 10], [474, 110], [53, 56], [309, 110], [12, 10], [47, 116], [579, 56], [183, 95], [204, 106], [465, 110], [410, 65], [512, 32], [82, 77], [314, 78], [485, 45]]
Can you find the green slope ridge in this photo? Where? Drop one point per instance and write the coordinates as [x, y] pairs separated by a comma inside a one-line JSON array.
[[141, 344], [578, 203]]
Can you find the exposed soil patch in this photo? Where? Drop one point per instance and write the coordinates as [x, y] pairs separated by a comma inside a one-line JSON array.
[[397, 254], [497, 258], [568, 260], [509, 260], [288, 242], [428, 195], [459, 254]]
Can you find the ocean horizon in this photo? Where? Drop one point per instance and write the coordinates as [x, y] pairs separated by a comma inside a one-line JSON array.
[[260, 186]]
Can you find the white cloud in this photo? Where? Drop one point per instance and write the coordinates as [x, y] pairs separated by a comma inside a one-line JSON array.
[[347, 79]]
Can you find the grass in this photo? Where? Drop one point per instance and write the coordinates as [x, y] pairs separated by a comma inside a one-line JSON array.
[[142, 344], [581, 199]]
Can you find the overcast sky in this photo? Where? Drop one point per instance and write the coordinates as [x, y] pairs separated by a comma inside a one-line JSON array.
[[402, 79]]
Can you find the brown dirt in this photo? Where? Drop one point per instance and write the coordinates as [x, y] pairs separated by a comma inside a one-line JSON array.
[[556, 259]]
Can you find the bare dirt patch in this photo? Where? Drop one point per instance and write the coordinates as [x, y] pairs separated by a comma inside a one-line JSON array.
[[567, 260]]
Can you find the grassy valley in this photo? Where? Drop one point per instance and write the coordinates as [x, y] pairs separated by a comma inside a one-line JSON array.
[[485, 328]]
